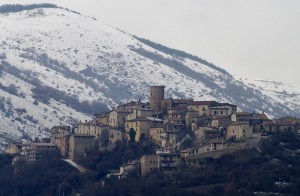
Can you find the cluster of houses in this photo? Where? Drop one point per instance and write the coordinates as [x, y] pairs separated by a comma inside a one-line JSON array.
[[212, 126]]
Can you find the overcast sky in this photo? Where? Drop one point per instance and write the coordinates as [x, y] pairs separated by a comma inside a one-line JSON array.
[[252, 38]]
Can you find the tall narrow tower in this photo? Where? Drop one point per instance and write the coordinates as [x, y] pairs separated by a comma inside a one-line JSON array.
[[157, 94]]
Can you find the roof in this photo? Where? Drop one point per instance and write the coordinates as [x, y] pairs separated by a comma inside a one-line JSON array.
[[56, 128], [218, 141], [182, 101], [131, 103], [168, 154], [216, 108], [242, 114], [120, 111], [280, 123], [83, 135], [145, 119], [221, 117], [43, 144], [158, 126], [143, 109], [202, 102], [226, 104], [238, 123], [180, 111]]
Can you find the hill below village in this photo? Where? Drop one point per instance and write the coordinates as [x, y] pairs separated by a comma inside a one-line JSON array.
[[274, 170], [59, 67]]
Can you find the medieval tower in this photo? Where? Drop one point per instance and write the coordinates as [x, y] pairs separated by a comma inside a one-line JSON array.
[[157, 94]]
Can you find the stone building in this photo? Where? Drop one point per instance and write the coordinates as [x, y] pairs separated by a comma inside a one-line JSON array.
[[117, 118], [38, 151], [139, 112], [141, 126], [13, 149], [204, 134], [202, 107], [81, 145], [102, 119], [89, 128], [168, 161], [239, 131], [148, 163], [60, 137]]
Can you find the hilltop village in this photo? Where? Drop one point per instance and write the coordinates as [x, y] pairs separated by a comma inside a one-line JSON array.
[[181, 129]]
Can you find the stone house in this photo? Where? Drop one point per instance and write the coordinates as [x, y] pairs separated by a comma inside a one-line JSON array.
[[81, 145], [102, 119], [189, 118], [117, 118], [174, 104], [115, 135], [166, 135], [201, 121], [60, 137], [176, 116], [155, 133], [139, 112], [168, 161], [13, 149], [220, 121], [239, 131], [133, 105], [281, 126], [212, 145], [141, 126], [169, 138], [204, 134], [149, 162], [221, 109], [255, 119], [202, 107], [89, 128], [37, 151]]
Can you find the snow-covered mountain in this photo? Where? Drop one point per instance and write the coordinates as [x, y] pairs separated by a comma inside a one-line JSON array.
[[57, 67]]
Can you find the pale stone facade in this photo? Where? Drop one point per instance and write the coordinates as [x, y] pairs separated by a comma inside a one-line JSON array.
[[141, 126], [139, 112], [117, 118], [239, 131], [148, 163], [80, 145]]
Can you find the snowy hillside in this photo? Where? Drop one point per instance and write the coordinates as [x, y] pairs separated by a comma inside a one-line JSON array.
[[57, 67]]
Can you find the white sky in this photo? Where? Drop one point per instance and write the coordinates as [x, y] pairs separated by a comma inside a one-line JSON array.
[[253, 38]]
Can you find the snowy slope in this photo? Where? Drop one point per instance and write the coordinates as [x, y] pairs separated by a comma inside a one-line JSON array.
[[58, 67]]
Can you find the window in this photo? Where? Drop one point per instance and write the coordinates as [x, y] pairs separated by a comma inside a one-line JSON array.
[[244, 130]]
